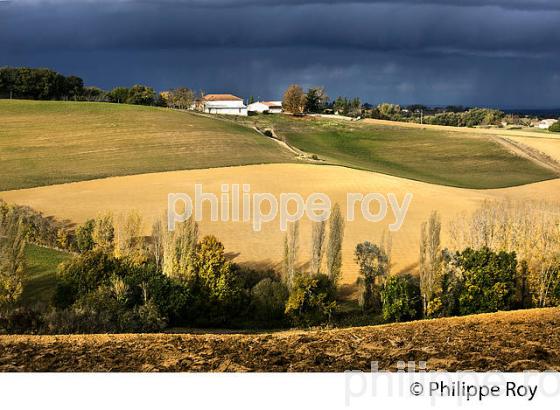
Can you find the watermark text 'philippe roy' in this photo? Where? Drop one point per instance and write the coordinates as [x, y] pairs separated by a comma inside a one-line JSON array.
[[237, 203]]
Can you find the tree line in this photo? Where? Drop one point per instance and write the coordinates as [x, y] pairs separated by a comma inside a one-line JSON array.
[[39, 84], [316, 101], [504, 256], [119, 280], [46, 84]]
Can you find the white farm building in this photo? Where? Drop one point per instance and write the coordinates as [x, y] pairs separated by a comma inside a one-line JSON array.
[[546, 124], [257, 107], [226, 104], [268, 107], [274, 107]]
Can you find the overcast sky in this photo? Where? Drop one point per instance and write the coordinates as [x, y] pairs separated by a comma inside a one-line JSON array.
[[502, 53]]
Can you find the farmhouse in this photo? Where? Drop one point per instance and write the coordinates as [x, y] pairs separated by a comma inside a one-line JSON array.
[[226, 104], [268, 107], [546, 124]]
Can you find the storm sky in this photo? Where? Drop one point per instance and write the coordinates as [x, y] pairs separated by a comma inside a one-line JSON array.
[[501, 53]]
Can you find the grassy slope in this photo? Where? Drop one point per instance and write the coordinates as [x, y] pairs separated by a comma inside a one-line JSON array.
[[504, 341], [460, 159], [41, 280], [44, 143]]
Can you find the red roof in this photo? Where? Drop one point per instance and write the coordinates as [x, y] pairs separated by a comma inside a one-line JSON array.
[[221, 97]]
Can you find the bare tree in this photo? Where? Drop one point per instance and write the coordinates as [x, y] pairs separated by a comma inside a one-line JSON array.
[[317, 245], [334, 244], [430, 258]]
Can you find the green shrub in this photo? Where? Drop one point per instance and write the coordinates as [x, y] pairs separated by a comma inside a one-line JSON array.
[[435, 308], [216, 287], [84, 236], [451, 285], [374, 266], [146, 284], [105, 311], [20, 320], [471, 118], [555, 127], [84, 274], [489, 281], [141, 95], [268, 300], [312, 300], [401, 298], [554, 299], [150, 318], [248, 278]]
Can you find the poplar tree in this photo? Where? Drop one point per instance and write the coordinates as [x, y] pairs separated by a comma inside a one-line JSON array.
[[334, 245], [12, 259]]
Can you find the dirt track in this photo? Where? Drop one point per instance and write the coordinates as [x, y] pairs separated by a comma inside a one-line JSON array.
[[532, 154], [506, 341]]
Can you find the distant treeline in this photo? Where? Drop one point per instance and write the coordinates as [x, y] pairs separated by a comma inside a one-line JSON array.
[[38, 84], [46, 84], [316, 101]]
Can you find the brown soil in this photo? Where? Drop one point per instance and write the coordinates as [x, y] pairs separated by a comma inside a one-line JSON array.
[[505, 341]]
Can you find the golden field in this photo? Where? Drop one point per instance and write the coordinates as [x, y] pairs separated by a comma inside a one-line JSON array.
[[527, 132], [148, 193]]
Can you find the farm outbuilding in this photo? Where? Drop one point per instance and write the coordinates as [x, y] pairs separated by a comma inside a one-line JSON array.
[[226, 104], [268, 107], [274, 107], [257, 107], [546, 124]]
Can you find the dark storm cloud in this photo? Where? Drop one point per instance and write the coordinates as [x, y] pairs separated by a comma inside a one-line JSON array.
[[379, 27], [493, 52], [507, 4]]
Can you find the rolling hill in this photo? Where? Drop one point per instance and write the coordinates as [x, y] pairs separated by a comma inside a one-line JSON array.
[[465, 158], [53, 142]]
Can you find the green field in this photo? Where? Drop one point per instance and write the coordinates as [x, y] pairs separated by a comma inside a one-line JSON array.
[[52, 142], [40, 274], [460, 159], [44, 143]]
